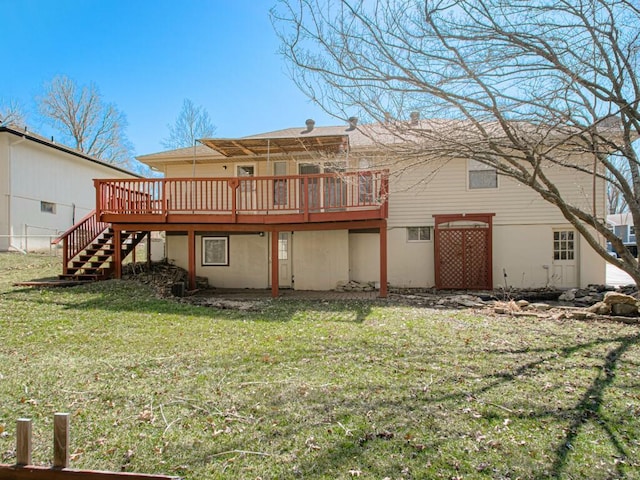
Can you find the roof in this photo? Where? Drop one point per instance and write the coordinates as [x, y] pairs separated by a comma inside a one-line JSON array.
[[399, 134], [24, 133], [290, 140]]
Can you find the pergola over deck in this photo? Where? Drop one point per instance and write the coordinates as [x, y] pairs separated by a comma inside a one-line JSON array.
[[327, 201], [266, 146]]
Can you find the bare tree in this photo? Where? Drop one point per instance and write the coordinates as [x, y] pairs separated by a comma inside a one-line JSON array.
[[192, 123], [516, 85], [616, 202], [85, 121], [11, 113]]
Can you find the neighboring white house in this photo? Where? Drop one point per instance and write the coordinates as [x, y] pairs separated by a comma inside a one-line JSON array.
[[45, 188], [622, 225], [455, 224]]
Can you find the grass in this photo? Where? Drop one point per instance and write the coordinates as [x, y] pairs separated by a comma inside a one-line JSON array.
[[312, 390]]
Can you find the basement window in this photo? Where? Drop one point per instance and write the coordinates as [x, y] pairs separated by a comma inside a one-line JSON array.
[[418, 234], [48, 207], [215, 251]]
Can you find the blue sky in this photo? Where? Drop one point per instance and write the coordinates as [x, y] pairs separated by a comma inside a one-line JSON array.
[[148, 56]]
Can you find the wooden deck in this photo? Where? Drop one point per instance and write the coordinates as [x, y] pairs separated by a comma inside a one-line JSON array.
[[293, 199], [265, 205]]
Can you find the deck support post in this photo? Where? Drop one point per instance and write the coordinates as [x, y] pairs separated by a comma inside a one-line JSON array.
[[117, 253], [275, 273], [148, 250], [383, 260], [192, 259]]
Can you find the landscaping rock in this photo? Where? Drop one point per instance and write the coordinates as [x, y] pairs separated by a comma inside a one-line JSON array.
[[600, 308], [611, 298], [624, 309], [353, 286], [540, 306]]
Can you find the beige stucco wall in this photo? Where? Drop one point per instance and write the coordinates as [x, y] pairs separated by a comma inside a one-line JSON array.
[[320, 259], [410, 263], [526, 254], [364, 257], [248, 261], [593, 268], [520, 251]]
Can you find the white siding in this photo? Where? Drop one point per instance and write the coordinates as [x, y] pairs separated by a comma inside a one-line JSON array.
[[40, 173], [420, 192], [5, 188]]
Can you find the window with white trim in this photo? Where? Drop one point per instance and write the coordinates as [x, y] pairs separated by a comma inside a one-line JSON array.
[[418, 234], [481, 175], [215, 251]]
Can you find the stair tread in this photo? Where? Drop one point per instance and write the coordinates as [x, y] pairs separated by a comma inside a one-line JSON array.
[[96, 261]]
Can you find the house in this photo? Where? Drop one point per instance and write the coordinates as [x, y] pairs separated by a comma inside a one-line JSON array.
[[313, 208], [622, 225], [45, 188]]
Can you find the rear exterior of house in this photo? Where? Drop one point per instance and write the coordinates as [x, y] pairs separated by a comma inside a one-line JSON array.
[[45, 188], [315, 208], [452, 225]]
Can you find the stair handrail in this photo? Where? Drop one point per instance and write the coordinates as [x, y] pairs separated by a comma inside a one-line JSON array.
[[80, 236]]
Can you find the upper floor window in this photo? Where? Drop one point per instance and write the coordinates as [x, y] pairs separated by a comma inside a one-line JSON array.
[[481, 175], [632, 230]]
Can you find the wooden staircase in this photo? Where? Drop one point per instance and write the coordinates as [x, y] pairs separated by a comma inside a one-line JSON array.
[[96, 261], [89, 249]]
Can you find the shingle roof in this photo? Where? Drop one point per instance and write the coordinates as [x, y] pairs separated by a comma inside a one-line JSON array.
[[34, 137]]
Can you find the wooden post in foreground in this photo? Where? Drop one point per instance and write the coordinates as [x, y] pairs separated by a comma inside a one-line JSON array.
[[23, 441], [61, 440]]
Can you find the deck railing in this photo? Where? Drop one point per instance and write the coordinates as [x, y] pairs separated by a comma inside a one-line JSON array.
[[329, 192], [79, 237]]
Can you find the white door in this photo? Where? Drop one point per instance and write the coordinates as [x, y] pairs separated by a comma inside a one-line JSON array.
[[284, 260], [565, 259]]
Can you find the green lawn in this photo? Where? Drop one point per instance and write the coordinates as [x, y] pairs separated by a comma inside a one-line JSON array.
[[312, 390]]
